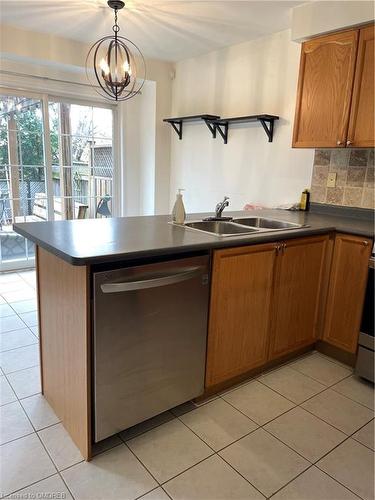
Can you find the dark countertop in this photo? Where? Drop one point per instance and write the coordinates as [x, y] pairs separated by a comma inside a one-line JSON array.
[[86, 241]]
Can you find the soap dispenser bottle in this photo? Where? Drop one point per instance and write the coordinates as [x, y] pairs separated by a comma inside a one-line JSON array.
[[178, 212]]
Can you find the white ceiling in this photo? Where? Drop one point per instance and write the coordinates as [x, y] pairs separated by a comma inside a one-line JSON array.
[[164, 29]]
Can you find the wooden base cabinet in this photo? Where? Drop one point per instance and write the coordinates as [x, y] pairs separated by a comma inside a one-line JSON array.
[[264, 304], [300, 269], [346, 292], [240, 311]]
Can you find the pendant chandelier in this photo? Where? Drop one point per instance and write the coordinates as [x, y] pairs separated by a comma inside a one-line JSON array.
[[116, 64]]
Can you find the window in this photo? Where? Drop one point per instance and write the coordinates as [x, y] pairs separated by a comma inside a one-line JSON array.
[[56, 162]]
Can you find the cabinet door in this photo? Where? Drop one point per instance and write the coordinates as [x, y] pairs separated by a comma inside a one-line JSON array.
[[361, 125], [298, 284], [242, 281], [346, 291], [325, 90]]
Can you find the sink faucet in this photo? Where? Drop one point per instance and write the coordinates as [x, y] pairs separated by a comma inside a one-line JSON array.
[[220, 207]]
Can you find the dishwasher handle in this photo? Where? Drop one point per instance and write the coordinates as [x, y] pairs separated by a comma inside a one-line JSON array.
[[170, 279]]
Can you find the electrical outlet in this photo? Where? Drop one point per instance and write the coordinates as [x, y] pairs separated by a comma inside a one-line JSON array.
[[331, 180]]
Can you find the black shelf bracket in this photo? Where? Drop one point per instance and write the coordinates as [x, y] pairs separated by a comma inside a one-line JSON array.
[[268, 128], [223, 130], [177, 126], [212, 127]]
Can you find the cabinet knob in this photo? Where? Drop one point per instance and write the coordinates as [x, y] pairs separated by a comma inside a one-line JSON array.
[[339, 143], [348, 143], [365, 243]]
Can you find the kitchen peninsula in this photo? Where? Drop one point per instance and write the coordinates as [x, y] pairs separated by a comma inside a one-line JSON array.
[[288, 280]]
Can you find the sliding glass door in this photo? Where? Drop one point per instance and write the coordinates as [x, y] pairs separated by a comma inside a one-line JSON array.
[[56, 162]]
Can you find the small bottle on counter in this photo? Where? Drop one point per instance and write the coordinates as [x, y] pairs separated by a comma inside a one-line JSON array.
[[305, 200], [178, 212]]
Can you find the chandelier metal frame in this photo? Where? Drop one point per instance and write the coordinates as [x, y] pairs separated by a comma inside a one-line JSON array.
[[118, 74]]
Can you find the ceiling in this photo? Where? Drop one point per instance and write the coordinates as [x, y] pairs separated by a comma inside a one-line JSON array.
[[164, 29]]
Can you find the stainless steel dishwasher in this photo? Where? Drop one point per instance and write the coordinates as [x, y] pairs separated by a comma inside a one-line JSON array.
[[150, 329]]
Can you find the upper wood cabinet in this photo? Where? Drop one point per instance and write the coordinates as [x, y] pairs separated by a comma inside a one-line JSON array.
[[335, 96], [346, 291], [240, 311], [361, 124], [299, 277]]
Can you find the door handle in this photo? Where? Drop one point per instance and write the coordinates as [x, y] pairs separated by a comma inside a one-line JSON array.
[[169, 279]]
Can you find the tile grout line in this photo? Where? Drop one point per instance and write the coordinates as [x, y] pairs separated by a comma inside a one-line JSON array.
[[217, 453], [221, 457], [27, 486], [46, 451], [140, 461]]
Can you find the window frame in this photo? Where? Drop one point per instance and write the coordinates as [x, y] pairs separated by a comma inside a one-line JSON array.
[[45, 98]]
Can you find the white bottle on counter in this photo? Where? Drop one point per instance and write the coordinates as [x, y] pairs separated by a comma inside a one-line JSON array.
[[178, 212]]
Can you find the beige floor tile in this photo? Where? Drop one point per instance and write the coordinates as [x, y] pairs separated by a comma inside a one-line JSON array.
[[211, 479], [314, 485], [156, 494], [10, 323], [352, 464], [321, 369], [9, 277], [35, 330], [25, 306], [52, 487], [258, 402], [308, 435], [30, 318], [13, 422], [147, 425], [17, 338], [339, 411], [169, 449], [19, 359], [357, 389], [28, 276], [7, 394], [294, 386], [12, 286], [39, 411], [5, 311], [264, 461], [218, 423], [113, 475], [366, 435], [25, 382], [60, 446], [26, 293], [23, 462]]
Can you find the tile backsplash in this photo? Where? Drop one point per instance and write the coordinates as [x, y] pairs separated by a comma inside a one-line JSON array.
[[354, 181]]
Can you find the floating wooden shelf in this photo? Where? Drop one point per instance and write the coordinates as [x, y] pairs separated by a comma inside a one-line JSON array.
[[215, 123], [177, 122]]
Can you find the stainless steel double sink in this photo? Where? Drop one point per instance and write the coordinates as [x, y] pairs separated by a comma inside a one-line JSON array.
[[240, 226]]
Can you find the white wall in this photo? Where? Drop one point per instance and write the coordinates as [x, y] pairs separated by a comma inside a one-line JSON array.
[[144, 141], [250, 78], [316, 18], [138, 119]]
